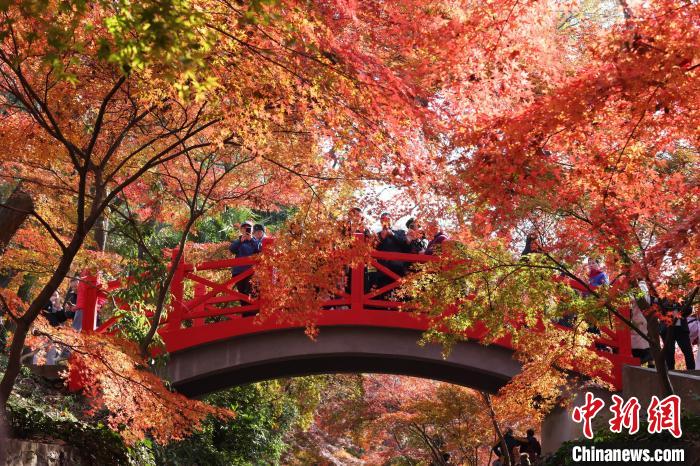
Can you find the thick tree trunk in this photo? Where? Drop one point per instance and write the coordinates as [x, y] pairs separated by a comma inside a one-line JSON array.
[[658, 355], [100, 232], [13, 213], [657, 352], [23, 324], [492, 414]]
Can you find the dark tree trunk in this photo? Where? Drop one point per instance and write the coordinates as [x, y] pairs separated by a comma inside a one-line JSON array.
[[655, 347], [659, 358], [23, 324], [100, 232], [13, 213]]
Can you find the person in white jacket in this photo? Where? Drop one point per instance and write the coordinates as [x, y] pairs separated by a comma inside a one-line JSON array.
[[640, 346]]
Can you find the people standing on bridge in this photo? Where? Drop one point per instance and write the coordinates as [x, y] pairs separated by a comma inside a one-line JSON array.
[[390, 240], [676, 331], [53, 311], [532, 245], [70, 302], [640, 345], [438, 238], [355, 223], [245, 246], [415, 237]]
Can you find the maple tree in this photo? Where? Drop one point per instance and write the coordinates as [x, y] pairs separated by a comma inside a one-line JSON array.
[[397, 418], [601, 164], [504, 119], [79, 142], [98, 95]]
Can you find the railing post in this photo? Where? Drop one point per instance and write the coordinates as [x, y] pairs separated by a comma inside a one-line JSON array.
[[624, 348], [267, 244], [199, 291], [357, 281], [87, 302], [177, 290]]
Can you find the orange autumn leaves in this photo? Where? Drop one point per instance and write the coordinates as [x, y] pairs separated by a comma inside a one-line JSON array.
[[116, 380]]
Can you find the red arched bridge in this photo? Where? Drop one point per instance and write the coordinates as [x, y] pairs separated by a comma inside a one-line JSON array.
[[215, 341]]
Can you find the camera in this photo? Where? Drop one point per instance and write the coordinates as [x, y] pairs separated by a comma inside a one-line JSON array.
[[248, 229]]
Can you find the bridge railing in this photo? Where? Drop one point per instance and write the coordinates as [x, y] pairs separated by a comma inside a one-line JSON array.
[[206, 291], [206, 305]]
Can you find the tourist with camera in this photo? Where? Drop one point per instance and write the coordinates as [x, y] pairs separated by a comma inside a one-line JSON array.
[[246, 245]]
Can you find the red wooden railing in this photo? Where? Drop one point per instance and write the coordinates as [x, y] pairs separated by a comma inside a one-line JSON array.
[[209, 308]]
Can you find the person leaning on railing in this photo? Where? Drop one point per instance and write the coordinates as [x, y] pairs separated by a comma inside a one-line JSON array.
[[70, 303], [392, 240]]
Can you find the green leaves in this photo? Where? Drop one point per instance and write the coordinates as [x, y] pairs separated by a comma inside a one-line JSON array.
[[167, 36], [265, 412], [259, 12]]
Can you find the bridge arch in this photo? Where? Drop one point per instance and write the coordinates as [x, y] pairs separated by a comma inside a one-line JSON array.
[[249, 358]]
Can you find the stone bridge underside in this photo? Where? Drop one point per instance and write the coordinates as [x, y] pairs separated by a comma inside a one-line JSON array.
[[342, 349]]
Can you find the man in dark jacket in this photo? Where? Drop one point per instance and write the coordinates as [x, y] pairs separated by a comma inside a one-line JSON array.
[[390, 240], [415, 237], [511, 442], [259, 233], [532, 245], [244, 246]]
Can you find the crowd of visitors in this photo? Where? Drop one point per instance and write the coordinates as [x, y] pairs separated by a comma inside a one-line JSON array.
[[679, 326], [389, 238], [61, 310]]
